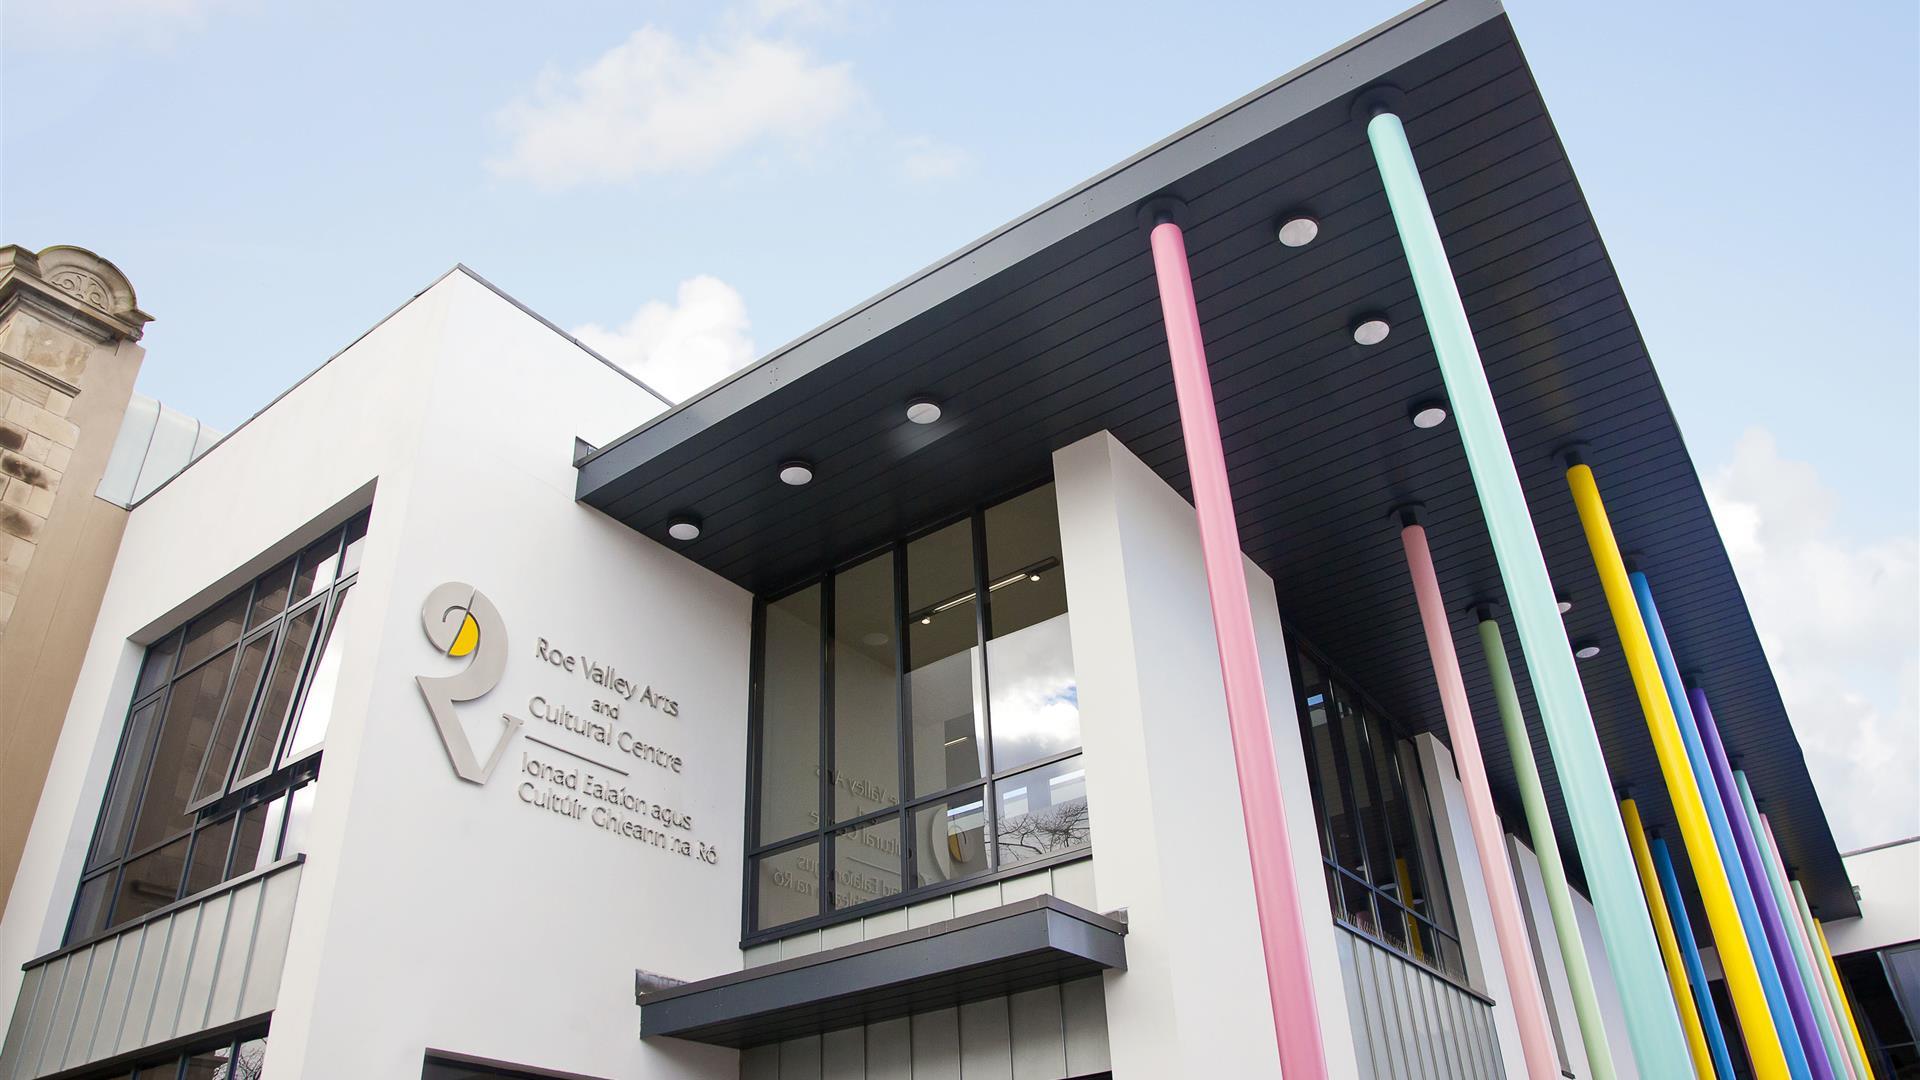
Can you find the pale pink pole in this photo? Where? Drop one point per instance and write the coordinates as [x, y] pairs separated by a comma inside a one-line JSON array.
[[1276, 898], [1509, 927]]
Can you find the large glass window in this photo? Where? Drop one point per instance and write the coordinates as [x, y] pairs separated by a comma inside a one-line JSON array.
[[918, 721], [1376, 828], [217, 766]]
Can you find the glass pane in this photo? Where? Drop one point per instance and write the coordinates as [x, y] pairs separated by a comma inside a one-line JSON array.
[[1394, 923], [1025, 583], [316, 569], [299, 820], [233, 718], [208, 867], [1042, 812], [157, 666], [192, 707], [866, 692], [356, 544], [1340, 834], [117, 812], [250, 1061], [1439, 907], [790, 717], [1357, 900], [259, 837], [950, 838], [268, 719], [1405, 880], [788, 886], [1036, 702], [943, 673], [1371, 825], [270, 595], [316, 705], [866, 862], [90, 908], [215, 630], [150, 882], [210, 1065]]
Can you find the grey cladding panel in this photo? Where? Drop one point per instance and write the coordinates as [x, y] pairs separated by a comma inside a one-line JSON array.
[[1411, 1024]]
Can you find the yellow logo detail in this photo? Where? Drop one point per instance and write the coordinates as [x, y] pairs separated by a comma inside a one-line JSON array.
[[467, 638]]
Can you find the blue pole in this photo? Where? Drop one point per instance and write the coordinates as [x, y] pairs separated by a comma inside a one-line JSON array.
[[1690, 952]]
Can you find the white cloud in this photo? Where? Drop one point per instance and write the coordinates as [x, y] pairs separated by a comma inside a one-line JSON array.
[[1839, 623], [683, 347], [928, 159], [87, 23], [656, 104]]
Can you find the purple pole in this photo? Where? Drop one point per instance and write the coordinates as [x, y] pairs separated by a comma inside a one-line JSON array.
[[1770, 918]]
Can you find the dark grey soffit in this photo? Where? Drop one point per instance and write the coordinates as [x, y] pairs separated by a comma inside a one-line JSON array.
[[1049, 330], [1041, 941]]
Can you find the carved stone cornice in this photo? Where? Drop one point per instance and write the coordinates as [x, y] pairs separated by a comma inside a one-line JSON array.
[[74, 286]]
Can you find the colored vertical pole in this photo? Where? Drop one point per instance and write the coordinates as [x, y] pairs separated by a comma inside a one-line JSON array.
[[1669, 946], [1833, 973], [1775, 914], [1764, 1043], [1787, 998], [1283, 933], [1489, 840], [1690, 953], [1546, 847], [1625, 929]]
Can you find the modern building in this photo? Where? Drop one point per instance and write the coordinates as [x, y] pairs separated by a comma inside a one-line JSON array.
[[1141, 644]]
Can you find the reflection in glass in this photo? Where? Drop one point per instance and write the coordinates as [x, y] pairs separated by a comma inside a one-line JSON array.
[[215, 630], [233, 718], [259, 837], [356, 544], [866, 862], [270, 595], [1042, 812], [316, 567], [1439, 905], [316, 705], [1036, 701], [90, 909], [1357, 900], [299, 820], [157, 666], [150, 882], [1372, 825], [790, 717], [1024, 579], [943, 670], [866, 692], [208, 865], [269, 718], [117, 814], [192, 706], [787, 886], [949, 838]]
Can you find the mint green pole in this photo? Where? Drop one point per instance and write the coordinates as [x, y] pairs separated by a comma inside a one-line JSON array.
[[1546, 847], [1839, 1048], [1653, 1020]]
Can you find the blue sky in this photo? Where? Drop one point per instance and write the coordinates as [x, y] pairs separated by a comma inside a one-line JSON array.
[[691, 185]]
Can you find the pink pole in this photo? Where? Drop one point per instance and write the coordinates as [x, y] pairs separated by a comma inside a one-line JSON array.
[[1276, 897], [1509, 928]]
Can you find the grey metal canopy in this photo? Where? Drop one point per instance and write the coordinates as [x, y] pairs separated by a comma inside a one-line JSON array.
[[1048, 330]]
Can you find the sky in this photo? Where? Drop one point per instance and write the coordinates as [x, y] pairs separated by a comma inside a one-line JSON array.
[[687, 186]]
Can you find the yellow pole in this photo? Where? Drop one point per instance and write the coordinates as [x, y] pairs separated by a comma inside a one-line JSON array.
[[1669, 945], [1709, 873], [1846, 1002]]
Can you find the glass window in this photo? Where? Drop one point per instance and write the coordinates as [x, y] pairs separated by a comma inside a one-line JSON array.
[[225, 1060], [1376, 826], [938, 675], [866, 692], [199, 791], [943, 669], [790, 717]]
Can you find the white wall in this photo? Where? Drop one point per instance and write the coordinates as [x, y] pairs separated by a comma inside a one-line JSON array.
[[1161, 785], [1887, 879], [433, 912], [1613, 1017], [1547, 959]]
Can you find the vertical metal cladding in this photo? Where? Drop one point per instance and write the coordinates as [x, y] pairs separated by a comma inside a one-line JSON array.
[[1653, 1026]]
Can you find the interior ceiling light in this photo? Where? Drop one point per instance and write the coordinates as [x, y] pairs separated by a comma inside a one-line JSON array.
[[1428, 414], [1298, 230], [923, 410], [796, 473], [873, 637], [1586, 650], [684, 529], [1371, 330]]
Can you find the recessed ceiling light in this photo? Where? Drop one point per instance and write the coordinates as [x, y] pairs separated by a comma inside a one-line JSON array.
[[1586, 650], [923, 410], [1428, 414], [796, 473], [873, 637], [1371, 330], [684, 529], [1563, 602], [1298, 230]]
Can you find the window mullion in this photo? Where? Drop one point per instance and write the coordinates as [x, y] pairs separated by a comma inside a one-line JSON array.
[[903, 709], [824, 826], [756, 706]]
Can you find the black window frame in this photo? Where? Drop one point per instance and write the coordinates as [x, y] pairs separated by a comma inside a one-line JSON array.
[[908, 801], [1340, 879], [285, 773]]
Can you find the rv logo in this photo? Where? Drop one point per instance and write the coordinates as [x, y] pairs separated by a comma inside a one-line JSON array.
[[462, 622]]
